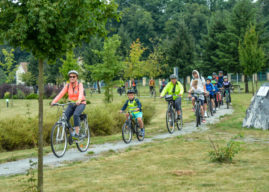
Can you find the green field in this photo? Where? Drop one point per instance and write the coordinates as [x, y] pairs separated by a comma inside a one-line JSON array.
[[176, 164]]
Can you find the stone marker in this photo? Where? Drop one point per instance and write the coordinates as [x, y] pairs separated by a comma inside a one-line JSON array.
[[257, 115]]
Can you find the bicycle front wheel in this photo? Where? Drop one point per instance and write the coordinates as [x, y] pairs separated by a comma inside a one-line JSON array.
[[198, 117], [127, 133], [58, 140], [227, 101], [84, 135], [170, 121]]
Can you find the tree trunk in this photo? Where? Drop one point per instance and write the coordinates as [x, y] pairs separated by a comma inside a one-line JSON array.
[[40, 126], [184, 84], [98, 87], [246, 84]]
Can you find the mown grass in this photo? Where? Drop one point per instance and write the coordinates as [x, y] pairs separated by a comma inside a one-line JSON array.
[[177, 164]]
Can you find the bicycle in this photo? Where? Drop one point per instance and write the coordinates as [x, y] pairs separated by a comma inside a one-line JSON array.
[[60, 130], [209, 106], [171, 115], [218, 97], [130, 127], [153, 92], [198, 105], [227, 97]]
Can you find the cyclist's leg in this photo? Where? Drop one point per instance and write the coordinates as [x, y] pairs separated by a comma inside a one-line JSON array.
[[202, 109], [178, 106], [138, 117], [205, 105], [212, 101], [79, 109], [216, 101], [69, 112]]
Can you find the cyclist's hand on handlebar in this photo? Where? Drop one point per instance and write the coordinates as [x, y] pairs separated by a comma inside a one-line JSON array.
[[78, 102]]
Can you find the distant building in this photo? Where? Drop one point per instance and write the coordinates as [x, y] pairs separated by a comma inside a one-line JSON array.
[[21, 70]]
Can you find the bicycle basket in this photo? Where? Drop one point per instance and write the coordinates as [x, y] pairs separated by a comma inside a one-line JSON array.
[[168, 97]]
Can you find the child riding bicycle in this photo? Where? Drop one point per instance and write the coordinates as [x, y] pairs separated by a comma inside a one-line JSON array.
[[176, 89], [195, 89], [133, 104], [211, 89]]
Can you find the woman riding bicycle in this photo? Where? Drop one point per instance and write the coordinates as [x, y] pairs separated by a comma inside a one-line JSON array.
[[76, 96], [176, 89]]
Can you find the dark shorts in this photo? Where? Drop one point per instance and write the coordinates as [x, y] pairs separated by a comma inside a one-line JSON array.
[[212, 96], [201, 101]]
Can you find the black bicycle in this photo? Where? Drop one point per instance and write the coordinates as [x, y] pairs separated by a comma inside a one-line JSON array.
[[227, 97], [209, 106], [130, 127], [62, 128], [198, 105], [171, 115]]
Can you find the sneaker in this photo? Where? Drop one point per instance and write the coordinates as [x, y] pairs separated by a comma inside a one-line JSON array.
[[142, 132], [75, 136], [206, 114], [217, 108], [203, 121]]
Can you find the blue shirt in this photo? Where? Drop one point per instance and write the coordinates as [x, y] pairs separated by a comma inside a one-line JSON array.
[[210, 88], [216, 88]]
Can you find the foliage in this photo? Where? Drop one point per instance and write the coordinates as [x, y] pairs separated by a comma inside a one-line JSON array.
[[29, 78], [224, 154], [32, 96], [7, 95], [110, 67], [8, 67], [133, 64], [3, 77], [29, 183], [69, 63], [250, 53]]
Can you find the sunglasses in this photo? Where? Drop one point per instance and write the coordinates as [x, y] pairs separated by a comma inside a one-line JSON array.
[[72, 77]]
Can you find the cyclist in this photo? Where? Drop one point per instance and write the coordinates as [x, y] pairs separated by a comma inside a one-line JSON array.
[[163, 84], [175, 88], [214, 82], [75, 92], [133, 104], [201, 85], [214, 76], [227, 86], [220, 80], [151, 85], [134, 86], [211, 89], [195, 89]]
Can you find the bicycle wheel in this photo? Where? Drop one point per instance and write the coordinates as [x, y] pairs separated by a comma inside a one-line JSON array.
[[170, 121], [227, 100], [58, 140], [84, 135], [127, 133], [180, 122], [197, 114], [139, 136]]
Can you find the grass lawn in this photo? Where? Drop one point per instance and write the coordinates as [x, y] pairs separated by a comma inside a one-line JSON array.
[[176, 164]]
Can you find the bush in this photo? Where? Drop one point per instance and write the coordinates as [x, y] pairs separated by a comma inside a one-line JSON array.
[[7, 95], [24, 89], [20, 94], [32, 96], [224, 154]]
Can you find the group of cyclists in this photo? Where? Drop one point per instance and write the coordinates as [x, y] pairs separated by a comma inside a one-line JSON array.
[[209, 87]]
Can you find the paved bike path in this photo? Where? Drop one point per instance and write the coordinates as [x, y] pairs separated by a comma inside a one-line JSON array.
[[21, 166]]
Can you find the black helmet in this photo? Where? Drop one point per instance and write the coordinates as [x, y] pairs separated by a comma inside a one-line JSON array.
[[173, 76], [214, 73], [130, 91]]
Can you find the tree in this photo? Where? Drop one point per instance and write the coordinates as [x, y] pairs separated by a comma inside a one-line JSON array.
[[110, 66], [48, 29], [3, 77], [133, 63], [69, 63], [9, 69], [251, 54], [181, 52]]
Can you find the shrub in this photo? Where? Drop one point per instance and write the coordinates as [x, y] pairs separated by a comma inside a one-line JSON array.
[[7, 95], [32, 96], [5, 88], [20, 94], [24, 89], [224, 154]]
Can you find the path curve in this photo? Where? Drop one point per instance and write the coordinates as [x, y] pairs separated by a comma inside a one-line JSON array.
[[21, 166]]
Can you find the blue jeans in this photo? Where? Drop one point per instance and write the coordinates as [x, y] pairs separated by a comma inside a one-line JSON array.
[[74, 110]]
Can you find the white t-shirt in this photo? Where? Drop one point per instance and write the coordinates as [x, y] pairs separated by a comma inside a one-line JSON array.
[[201, 82], [200, 91]]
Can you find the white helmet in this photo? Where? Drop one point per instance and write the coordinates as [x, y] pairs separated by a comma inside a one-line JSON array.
[[73, 71]]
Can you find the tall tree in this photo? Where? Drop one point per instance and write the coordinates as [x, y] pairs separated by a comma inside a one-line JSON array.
[[251, 54], [48, 29], [110, 67], [8, 65]]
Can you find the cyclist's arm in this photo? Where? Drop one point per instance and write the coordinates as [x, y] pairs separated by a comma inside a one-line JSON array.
[[181, 88], [138, 104], [81, 91], [60, 95], [164, 90], [124, 106]]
